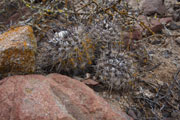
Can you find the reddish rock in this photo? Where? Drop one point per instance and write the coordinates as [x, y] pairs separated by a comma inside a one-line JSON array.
[[137, 34], [29, 98], [157, 25], [154, 24], [150, 7], [134, 35], [55, 97]]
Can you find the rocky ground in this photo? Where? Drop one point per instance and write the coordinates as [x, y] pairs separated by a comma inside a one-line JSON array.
[[128, 53]]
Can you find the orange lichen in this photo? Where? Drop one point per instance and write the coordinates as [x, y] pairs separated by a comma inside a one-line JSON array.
[[17, 60], [18, 50]]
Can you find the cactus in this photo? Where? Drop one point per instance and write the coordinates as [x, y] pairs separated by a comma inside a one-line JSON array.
[[116, 70], [75, 48], [115, 67]]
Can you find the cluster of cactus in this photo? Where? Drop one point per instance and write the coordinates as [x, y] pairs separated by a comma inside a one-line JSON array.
[[94, 38], [102, 43]]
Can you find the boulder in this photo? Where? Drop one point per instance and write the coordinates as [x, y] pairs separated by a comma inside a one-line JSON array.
[[17, 50], [52, 97]]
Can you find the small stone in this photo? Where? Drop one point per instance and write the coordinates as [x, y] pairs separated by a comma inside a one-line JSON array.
[[156, 25], [166, 54], [90, 82], [151, 7], [173, 26], [178, 41]]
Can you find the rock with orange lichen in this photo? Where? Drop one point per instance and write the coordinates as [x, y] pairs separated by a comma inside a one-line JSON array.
[[17, 50]]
